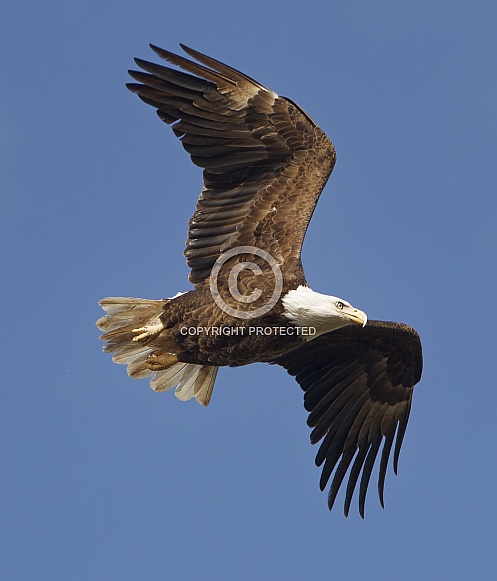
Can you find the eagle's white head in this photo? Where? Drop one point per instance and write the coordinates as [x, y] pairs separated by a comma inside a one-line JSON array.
[[306, 308]]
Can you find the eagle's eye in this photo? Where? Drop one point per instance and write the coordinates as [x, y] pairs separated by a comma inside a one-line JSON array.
[[339, 305]]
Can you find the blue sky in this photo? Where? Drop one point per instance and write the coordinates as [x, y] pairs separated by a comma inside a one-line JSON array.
[[104, 479]]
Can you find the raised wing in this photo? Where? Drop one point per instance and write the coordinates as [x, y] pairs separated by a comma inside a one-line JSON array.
[[358, 385], [265, 161]]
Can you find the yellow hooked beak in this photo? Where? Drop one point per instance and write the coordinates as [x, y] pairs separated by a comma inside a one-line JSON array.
[[355, 315]]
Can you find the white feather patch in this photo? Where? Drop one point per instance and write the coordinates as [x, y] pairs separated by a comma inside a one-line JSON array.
[[185, 389], [169, 378], [205, 384]]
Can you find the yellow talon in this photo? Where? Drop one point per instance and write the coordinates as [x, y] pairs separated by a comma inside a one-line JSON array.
[[159, 360], [149, 332]]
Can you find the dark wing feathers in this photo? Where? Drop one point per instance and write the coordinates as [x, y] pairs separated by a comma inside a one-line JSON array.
[[358, 387], [260, 153]]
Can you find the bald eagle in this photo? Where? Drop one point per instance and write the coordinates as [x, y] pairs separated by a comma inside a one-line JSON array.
[[265, 163]]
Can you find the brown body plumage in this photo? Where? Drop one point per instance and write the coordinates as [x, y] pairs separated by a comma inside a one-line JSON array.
[[265, 165], [207, 335]]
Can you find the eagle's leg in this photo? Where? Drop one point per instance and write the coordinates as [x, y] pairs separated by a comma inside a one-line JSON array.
[[149, 332], [159, 360]]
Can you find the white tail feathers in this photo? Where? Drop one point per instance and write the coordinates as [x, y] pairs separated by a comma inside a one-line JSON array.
[[191, 380], [126, 318], [123, 311]]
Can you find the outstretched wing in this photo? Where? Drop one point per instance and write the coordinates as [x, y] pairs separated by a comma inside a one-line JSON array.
[[358, 385], [265, 161]]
